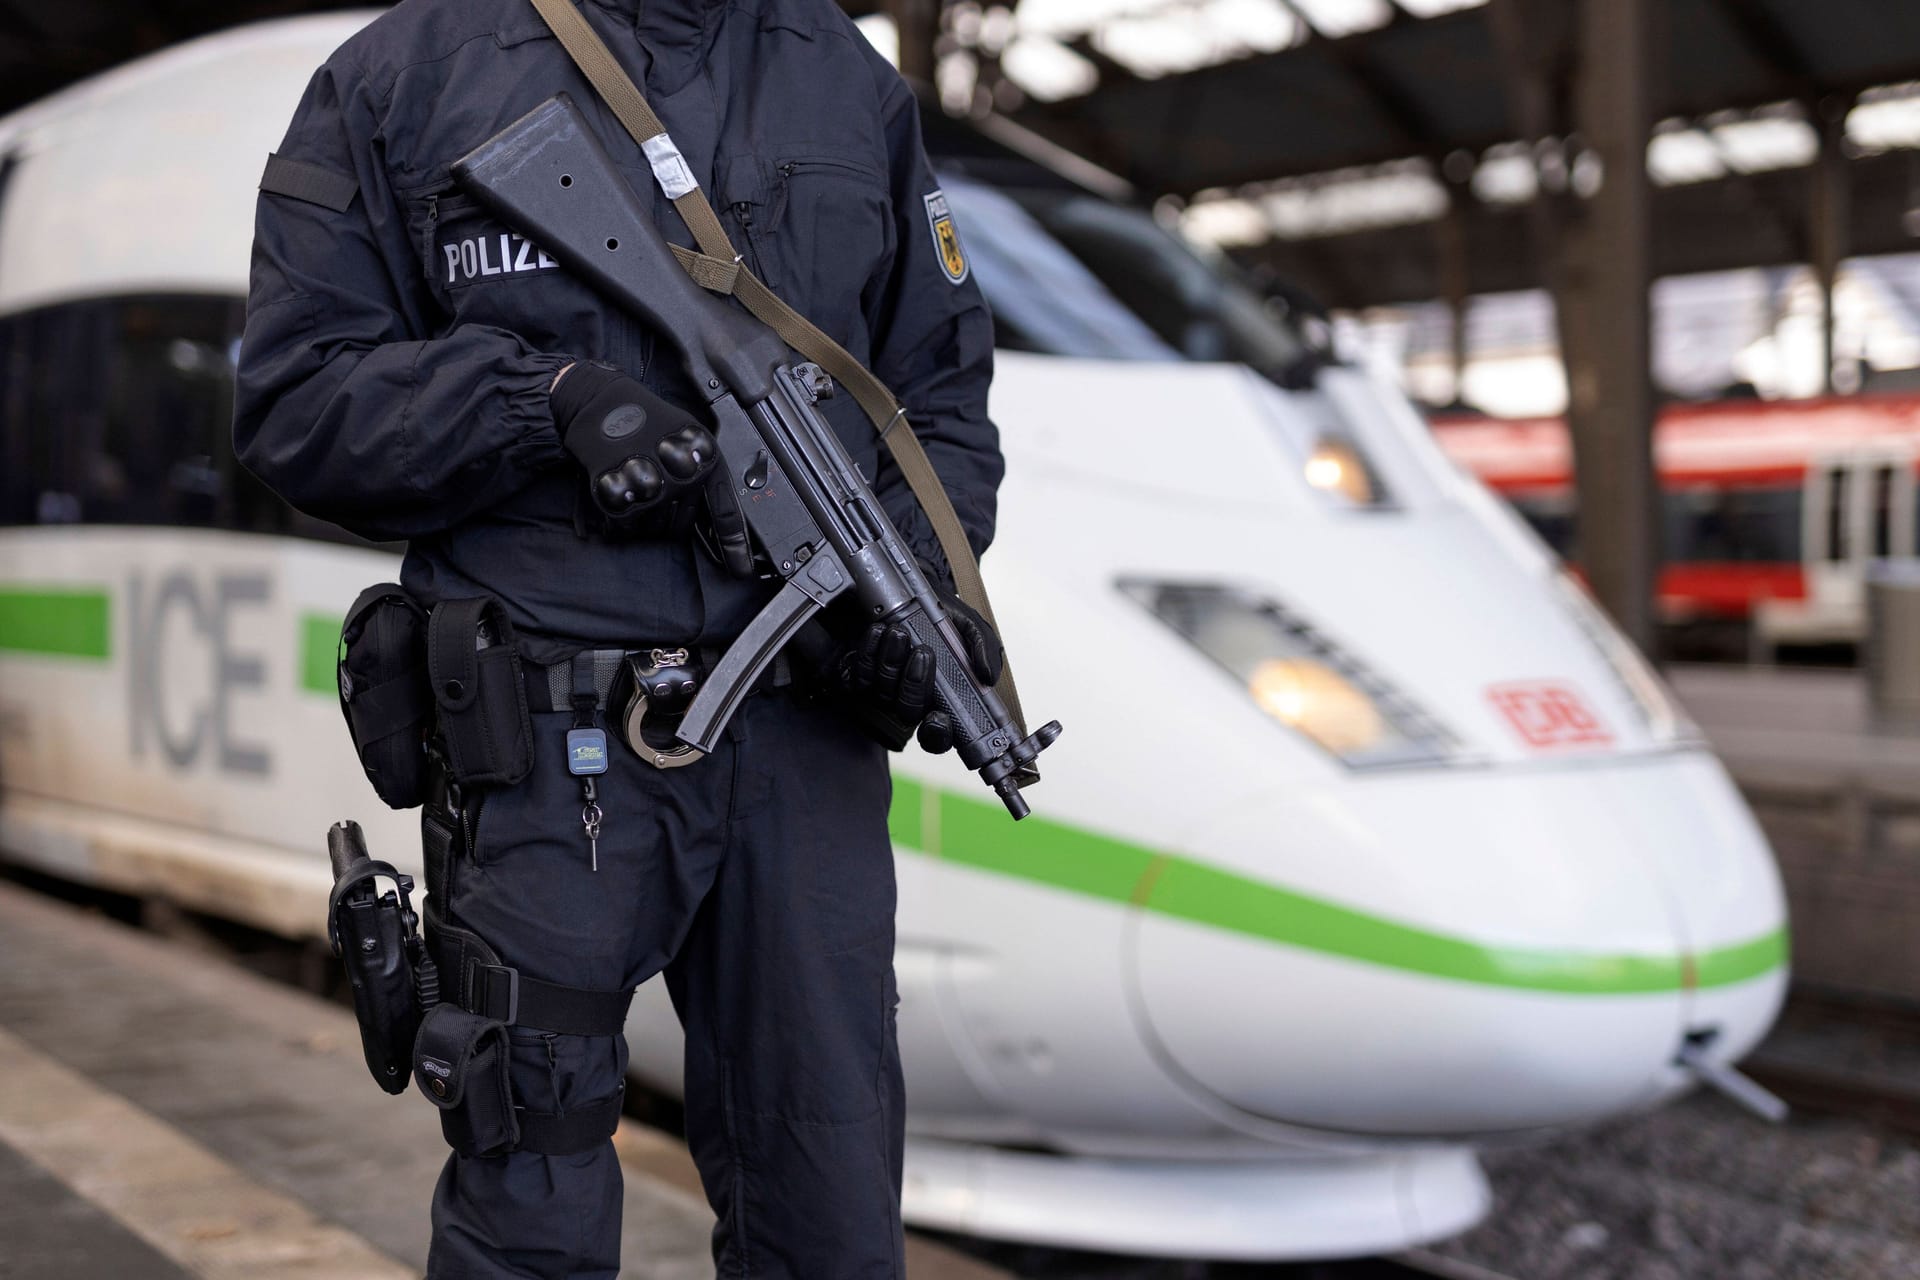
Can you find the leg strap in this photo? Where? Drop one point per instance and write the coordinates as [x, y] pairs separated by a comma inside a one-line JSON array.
[[577, 1130], [472, 976]]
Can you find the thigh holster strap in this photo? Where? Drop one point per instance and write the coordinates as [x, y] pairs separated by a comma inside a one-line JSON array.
[[472, 977], [580, 1129]]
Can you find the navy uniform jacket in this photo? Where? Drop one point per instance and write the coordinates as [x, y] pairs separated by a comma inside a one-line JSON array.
[[393, 377]]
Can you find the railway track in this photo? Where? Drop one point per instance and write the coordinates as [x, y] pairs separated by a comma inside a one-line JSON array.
[[1833, 1055]]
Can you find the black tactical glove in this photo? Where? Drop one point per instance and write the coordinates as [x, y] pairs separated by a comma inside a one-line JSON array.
[[984, 654], [894, 676], [647, 460]]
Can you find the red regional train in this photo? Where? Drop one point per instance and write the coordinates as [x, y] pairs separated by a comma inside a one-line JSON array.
[[1770, 510]]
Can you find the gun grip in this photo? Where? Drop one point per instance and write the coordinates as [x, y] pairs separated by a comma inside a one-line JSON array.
[[346, 845]]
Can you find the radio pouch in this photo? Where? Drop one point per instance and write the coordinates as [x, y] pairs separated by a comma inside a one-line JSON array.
[[384, 694], [460, 1061], [485, 729]]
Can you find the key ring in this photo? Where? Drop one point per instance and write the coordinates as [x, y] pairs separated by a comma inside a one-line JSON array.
[[590, 816]]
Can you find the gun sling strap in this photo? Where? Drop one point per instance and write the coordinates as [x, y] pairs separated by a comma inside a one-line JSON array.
[[716, 266]]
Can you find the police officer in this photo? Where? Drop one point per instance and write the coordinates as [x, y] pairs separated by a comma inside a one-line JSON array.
[[413, 369]]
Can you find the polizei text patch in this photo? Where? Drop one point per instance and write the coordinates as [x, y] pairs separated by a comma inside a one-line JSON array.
[[497, 254]]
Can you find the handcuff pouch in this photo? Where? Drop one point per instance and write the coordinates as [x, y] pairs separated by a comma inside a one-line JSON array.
[[485, 729], [382, 672], [461, 1062]]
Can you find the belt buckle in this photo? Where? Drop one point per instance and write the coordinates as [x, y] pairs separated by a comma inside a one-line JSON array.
[[513, 991]]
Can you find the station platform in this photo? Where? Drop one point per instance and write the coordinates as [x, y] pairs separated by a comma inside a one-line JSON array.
[[165, 1115], [1839, 797], [1809, 732]]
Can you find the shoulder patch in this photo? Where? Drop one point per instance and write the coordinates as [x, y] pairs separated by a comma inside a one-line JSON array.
[[316, 184], [946, 237]]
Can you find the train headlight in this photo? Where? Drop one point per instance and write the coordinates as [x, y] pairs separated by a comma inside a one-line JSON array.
[[1664, 720], [1298, 676], [1336, 466], [1319, 702]]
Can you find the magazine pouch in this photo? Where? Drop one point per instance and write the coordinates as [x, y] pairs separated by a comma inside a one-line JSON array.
[[485, 729]]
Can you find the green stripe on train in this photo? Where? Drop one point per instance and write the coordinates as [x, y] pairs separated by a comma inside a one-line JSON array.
[[978, 834], [319, 651], [1055, 855], [67, 622]]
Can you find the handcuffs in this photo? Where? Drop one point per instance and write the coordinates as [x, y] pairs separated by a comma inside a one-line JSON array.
[[659, 682]]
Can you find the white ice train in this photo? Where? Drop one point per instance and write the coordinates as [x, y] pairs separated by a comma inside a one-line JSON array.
[[1369, 841]]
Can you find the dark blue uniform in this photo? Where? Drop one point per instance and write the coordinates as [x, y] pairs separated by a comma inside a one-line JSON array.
[[394, 379]]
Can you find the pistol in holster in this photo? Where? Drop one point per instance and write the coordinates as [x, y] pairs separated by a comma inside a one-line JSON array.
[[376, 934]]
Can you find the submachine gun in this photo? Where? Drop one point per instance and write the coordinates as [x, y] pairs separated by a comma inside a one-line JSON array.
[[808, 508]]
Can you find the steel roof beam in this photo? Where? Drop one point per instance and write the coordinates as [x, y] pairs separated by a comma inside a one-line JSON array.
[[1770, 43]]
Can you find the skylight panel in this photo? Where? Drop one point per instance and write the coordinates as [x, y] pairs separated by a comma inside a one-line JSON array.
[[1344, 17], [1886, 119]]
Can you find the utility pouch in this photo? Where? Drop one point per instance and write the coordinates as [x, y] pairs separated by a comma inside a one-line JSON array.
[[377, 937], [384, 693], [460, 1061], [485, 729]]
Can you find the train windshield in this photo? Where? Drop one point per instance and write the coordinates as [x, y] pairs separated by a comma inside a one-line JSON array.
[[1071, 274]]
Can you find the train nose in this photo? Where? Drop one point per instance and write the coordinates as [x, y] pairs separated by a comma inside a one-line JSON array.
[[1530, 947]]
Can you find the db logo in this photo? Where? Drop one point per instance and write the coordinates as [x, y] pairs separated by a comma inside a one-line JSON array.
[[1549, 717]]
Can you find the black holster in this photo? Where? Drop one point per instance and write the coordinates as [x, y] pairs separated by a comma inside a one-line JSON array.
[[377, 937]]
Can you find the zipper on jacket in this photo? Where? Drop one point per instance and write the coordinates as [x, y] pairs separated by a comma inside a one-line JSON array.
[[749, 249], [788, 168]]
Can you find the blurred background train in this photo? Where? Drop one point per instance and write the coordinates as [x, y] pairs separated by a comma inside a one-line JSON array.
[[1771, 511], [1372, 841]]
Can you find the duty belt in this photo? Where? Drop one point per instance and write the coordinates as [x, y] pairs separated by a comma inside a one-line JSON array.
[[550, 688]]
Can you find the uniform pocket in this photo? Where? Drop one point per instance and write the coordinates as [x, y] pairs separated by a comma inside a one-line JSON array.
[[817, 225]]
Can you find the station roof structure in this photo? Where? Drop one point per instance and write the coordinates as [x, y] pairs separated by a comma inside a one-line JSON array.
[[1408, 98], [1393, 92], [1431, 86]]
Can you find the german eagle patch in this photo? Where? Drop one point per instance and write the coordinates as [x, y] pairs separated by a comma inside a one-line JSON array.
[[946, 238]]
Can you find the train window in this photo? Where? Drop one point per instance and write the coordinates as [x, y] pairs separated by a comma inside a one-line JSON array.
[[1837, 548], [120, 411], [1075, 275], [1883, 511], [1722, 526], [1199, 308], [1552, 517], [1043, 300]]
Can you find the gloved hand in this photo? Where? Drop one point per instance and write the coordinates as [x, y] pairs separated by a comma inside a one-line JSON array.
[[645, 457], [895, 675], [984, 654]]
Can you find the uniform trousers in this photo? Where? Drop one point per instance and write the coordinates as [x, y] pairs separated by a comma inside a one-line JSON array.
[[759, 882]]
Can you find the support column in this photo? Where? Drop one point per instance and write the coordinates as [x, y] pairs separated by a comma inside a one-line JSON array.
[[1456, 278], [918, 25], [1609, 359], [1827, 222]]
